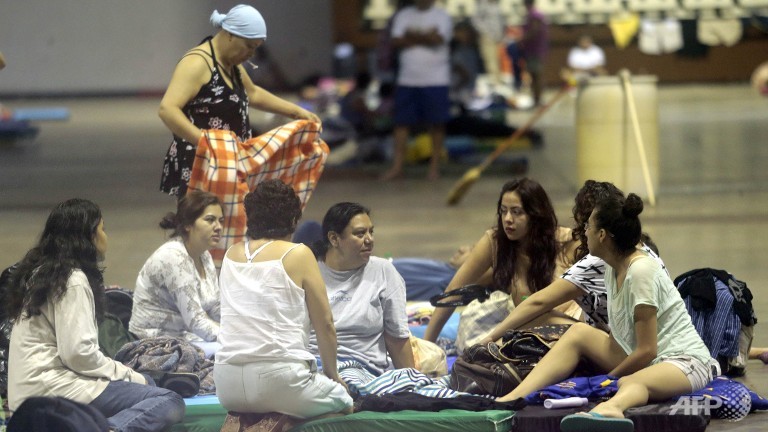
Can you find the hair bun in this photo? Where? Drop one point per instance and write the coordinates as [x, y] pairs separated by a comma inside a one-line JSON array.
[[633, 206], [217, 18], [169, 221]]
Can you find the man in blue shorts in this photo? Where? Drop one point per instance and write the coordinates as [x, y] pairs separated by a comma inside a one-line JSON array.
[[422, 33]]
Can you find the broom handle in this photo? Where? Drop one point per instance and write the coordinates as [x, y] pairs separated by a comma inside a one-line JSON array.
[[638, 136], [523, 129]]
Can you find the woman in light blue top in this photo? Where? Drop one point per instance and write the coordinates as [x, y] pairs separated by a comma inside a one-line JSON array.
[[653, 347]]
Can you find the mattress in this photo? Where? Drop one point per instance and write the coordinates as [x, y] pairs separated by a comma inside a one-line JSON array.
[[446, 420], [205, 414]]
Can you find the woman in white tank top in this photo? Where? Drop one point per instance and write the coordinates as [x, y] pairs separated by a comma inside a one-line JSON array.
[[271, 292]]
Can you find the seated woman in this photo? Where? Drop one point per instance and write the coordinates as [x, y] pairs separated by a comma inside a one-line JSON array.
[[524, 252], [583, 282], [653, 347], [177, 290], [271, 293], [366, 294], [56, 298]]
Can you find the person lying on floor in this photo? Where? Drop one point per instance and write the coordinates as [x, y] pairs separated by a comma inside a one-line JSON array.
[[177, 290], [272, 293], [653, 347], [366, 293], [526, 228], [56, 298]]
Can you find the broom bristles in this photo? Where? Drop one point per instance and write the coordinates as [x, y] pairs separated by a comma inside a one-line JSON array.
[[462, 186]]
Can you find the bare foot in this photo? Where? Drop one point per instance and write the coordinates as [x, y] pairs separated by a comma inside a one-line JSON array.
[[392, 174], [607, 410]]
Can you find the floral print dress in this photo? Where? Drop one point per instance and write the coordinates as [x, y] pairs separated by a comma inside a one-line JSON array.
[[216, 106]]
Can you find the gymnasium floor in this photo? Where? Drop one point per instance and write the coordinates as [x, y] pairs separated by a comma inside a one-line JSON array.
[[711, 210]]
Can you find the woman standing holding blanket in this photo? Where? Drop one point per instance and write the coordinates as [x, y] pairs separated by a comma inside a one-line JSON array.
[[653, 347], [210, 89]]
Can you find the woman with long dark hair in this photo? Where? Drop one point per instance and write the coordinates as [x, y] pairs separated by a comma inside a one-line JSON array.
[[653, 347], [582, 283], [56, 298], [523, 253]]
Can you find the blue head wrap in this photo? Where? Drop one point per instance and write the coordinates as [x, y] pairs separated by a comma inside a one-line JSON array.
[[241, 20]]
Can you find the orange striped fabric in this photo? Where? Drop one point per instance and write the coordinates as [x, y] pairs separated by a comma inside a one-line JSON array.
[[229, 168]]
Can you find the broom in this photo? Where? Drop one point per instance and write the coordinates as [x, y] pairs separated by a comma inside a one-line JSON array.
[[461, 187], [624, 74]]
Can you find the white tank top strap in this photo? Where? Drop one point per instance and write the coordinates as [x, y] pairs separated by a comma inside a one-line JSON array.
[[291, 248], [250, 256]]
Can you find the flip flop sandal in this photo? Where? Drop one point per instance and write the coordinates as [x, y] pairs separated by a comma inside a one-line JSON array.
[[593, 422]]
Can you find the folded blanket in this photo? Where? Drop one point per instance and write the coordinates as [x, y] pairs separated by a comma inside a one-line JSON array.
[[168, 354]]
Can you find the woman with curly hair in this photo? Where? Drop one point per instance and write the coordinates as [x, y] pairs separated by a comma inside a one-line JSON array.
[[56, 298], [524, 252], [653, 347], [271, 293], [583, 282]]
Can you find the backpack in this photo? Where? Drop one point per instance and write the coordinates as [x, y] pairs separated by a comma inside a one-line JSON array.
[[496, 369], [721, 311], [43, 414], [113, 328]]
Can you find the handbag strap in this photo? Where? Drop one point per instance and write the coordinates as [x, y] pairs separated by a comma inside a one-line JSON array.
[[466, 294]]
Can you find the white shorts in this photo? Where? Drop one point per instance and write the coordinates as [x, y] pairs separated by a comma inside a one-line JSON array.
[[292, 388], [699, 374]]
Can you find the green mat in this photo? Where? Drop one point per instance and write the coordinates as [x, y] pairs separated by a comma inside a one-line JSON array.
[[205, 414], [422, 421]]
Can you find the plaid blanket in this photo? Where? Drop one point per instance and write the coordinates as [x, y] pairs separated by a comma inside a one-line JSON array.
[[230, 168]]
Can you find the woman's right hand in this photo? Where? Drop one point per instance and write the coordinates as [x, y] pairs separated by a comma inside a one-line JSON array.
[[337, 378]]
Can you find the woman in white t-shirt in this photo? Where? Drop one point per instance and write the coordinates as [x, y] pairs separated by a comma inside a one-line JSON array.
[[653, 347], [366, 293]]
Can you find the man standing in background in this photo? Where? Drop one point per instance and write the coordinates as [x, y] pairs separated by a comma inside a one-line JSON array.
[[489, 22], [534, 46], [422, 33]]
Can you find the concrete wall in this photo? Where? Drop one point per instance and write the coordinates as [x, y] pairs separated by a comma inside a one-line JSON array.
[[130, 46]]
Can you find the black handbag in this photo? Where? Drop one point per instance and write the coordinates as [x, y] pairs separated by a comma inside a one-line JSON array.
[[497, 369]]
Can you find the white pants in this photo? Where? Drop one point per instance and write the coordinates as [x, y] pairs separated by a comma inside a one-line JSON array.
[[292, 388]]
